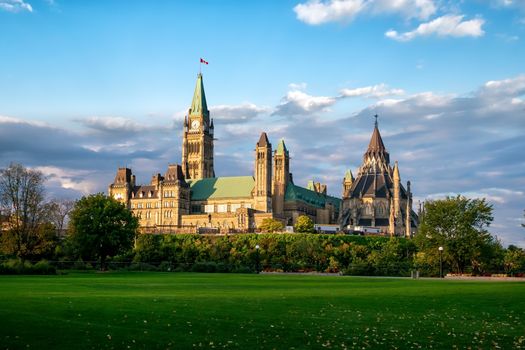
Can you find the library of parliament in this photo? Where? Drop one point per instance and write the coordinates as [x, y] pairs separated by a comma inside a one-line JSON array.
[[190, 198]]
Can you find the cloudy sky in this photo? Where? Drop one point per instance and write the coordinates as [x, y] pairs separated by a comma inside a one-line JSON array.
[[88, 86]]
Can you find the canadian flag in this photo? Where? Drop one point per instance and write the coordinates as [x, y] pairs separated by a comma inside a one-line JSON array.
[[203, 61]]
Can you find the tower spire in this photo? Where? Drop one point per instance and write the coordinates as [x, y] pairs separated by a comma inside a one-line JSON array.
[[375, 123], [198, 104]]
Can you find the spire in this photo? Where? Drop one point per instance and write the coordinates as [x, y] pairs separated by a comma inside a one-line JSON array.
[[376, 148], [396, 172], [198, 104], [263, 140], [349, 176], [376, 142], [310, 186], [281, 148]]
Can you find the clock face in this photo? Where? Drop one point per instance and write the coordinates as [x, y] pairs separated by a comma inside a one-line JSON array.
[[195, 124]]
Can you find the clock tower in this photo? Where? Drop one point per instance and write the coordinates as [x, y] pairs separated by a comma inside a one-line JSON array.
[[197, 142]]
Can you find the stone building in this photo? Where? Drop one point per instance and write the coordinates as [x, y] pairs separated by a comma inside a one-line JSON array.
[[376, 198], [190, 198]]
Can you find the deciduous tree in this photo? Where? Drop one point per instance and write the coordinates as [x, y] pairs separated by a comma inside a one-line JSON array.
[[25, 231], [101, 227], [304, 224], [271, 225], [459, 225]]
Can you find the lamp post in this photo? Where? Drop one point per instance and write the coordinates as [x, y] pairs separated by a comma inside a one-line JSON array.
[[440, 261], [257, 258]]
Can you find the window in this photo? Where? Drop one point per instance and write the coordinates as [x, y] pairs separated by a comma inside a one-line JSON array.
[[208, 208], [234, 207], [222, 208]]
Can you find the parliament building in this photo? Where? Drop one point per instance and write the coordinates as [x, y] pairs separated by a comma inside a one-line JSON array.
[[190, 198]]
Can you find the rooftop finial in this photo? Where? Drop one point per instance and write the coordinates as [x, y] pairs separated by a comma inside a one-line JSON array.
[[376, 116]]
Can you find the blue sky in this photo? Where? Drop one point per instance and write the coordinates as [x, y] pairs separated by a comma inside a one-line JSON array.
[[87, 86]]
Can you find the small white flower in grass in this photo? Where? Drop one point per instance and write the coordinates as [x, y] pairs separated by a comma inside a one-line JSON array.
[[109, 336]]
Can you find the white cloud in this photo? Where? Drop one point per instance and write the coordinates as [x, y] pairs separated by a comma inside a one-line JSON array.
[[374, 91], [512, 87], [298, 102], [237, 113], [112, 124], [315, 12], [15, 6], [297, 86], [77, 180], [448, 25], [12, 120], [421, 9]]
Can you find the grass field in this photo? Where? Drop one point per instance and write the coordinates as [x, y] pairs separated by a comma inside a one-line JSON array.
[[186, 311]]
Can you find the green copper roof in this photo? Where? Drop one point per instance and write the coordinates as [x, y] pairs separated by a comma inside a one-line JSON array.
[[222, 187], [297, 193], [281, 148], [198, 104], [348, 175]]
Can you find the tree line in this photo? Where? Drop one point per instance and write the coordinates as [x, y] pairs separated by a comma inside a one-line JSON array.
[[98, 230]]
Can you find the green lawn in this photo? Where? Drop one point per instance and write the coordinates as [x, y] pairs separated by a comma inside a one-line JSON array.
[[185, 311]]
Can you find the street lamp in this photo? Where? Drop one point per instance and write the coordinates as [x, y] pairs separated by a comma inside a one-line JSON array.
[[257, 258], [440, 262]]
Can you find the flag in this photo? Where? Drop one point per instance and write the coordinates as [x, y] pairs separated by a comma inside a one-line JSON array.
[[203, 61]]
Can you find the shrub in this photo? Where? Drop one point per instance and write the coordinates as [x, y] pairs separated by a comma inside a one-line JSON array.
[[19, 267], [43, 267], [304, 224], [271, 225]]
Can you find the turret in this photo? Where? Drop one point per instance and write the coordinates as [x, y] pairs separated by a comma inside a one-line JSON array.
[[263, 174], [408, 232], [122, 185], [175, 189], [348, 181], [391, 220], [281, 176], [397, 193]]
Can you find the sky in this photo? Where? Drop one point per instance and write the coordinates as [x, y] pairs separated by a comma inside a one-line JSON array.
[[90, 86]]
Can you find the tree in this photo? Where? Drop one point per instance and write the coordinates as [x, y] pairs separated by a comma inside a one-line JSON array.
[[59, 210], [24, 211], [101, 227], [514, 259], [304, 224], [458, 224], [271, 225]]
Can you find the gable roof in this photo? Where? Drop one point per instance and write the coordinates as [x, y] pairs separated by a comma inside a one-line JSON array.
[[222, 187]]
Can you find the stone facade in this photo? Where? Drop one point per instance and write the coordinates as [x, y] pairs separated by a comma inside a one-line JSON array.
[[376, 198], [190, 198]]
